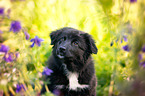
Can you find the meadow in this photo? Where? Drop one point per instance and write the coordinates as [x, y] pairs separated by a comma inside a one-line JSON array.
[[117, 26]]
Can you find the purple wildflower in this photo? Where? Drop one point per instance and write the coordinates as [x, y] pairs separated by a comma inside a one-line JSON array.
[[140, 57], [143, 48], [27, 36], [15, 26], [1, 32], [19, 88], [126, 48], [47, 71], [132, 1], [36, 41], [125, 38], [8, 57], [17, 54], [56, 92], [4, 49], [142, 64], [1, 11]]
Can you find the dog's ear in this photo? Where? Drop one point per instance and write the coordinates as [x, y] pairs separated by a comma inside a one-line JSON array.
[[91, 47], [54, 36]]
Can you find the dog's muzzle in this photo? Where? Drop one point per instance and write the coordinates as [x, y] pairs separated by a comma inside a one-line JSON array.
[[61, 52], [64, 53]]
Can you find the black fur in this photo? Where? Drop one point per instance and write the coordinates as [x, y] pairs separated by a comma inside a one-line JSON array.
[[72, 51]]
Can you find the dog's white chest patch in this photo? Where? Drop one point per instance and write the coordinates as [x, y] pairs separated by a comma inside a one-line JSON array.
[[73, 79], [73, 82]]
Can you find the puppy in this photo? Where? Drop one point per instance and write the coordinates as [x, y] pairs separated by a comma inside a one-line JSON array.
[[72, 64]]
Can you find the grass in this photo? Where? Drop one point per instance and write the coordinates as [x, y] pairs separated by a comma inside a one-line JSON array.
[[107, 21]]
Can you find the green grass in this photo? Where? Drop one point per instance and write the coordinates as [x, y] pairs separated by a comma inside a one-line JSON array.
[[106, 21]]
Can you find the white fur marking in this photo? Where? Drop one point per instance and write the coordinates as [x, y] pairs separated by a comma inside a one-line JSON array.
[[73, 82], [73, 79]]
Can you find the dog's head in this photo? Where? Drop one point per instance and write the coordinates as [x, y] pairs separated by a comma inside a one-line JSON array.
[[72, 44]]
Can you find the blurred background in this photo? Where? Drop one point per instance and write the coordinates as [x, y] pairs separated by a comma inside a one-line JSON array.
[[117, 26]]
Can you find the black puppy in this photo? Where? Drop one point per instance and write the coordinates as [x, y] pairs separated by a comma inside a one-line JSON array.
[[71, 62]]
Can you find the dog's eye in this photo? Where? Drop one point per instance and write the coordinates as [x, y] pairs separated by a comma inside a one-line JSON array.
[[76, 43], [63, 39]]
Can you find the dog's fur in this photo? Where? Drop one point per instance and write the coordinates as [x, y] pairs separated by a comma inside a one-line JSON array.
[[71, 62]]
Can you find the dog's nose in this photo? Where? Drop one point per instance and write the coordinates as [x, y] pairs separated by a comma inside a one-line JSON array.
[[62, 49]]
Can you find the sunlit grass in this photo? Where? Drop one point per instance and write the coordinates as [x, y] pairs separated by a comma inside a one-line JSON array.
[[107, 21]]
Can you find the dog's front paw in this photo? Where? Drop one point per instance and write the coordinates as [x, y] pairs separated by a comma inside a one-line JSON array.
[[78, 86], [83, 86]]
